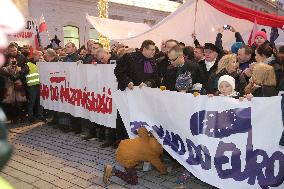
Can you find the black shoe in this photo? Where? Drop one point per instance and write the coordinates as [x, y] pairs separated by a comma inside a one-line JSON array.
[[281, 142], [66, 129], [51, 123], [106, 145], [77, 131], [31, 120], [88, 137]]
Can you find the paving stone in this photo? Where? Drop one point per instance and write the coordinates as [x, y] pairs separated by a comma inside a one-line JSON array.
[[85, 175], [65, 176], [69, 170], [46, 158], [81, 182], [62, 183], [22, 185], [48, 177], [43, 184]]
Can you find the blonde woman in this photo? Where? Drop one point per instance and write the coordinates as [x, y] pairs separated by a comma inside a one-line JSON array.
[[227, 66], [262, 82]]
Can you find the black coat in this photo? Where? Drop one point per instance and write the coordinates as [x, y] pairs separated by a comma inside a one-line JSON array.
[[196, 71], [171, 75], [208, 74], [72, 58], [130, 68], [265, 91], [162, 65]]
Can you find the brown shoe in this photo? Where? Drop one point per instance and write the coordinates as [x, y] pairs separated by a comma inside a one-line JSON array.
[[107, 174]]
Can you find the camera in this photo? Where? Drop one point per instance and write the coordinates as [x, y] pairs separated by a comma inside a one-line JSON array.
[[226, 27]]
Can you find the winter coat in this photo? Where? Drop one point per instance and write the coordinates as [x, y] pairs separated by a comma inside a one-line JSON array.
[[143, 148], [72, 58], [265, 91], [130, 68]]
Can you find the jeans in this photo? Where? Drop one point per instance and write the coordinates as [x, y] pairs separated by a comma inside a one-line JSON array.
[[34, 101]]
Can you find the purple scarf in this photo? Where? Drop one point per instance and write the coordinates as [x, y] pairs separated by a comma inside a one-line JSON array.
[[148, 68]]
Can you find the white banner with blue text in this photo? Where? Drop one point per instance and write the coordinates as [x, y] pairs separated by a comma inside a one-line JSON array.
[[224, 142]]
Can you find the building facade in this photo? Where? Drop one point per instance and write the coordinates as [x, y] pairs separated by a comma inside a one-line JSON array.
[[268, 6], [67, 18]]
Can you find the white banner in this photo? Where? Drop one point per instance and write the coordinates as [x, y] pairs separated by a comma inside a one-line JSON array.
[[81, 90], [224, 142], [27, 35]]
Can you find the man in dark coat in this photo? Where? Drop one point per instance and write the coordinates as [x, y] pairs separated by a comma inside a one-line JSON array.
[[163, 62], [71, 123], [210, 63], [72, 56], [135, 69]]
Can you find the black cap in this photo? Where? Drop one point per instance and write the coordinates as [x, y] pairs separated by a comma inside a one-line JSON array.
[[211, 46]]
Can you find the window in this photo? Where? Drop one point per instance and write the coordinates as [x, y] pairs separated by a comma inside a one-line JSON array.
[[94, 34], [71, 34]]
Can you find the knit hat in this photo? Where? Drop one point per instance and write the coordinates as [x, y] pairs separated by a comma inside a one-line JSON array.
[[228, 79], [260, 33], [236, 46], [184, 81]]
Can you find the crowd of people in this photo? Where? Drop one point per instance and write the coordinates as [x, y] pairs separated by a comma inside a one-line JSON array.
[[244, 71]]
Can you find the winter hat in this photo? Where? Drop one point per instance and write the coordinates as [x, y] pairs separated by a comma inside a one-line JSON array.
[[228, 79], [260, 33], [211, 46], [236, 46], [184, 81]]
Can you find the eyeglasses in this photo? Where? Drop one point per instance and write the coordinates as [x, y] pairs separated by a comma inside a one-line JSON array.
[[172, 60]]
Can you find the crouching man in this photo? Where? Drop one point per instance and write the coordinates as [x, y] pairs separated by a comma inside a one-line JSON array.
[[131, 152]]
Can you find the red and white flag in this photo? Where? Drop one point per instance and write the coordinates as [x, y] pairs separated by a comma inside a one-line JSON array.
[[42, 24], [252, 34]]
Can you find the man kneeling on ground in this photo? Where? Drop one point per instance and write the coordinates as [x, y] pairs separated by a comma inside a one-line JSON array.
[[132, 151]]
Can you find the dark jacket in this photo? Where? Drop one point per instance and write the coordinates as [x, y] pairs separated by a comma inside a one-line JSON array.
[[171, 75], [208, 74], [162, 64], [240, 82], [265, 91], [130, 68], [72, 58], [196, 71]]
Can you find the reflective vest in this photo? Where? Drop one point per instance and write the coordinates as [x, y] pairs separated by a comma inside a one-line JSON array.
[[33, 76], [4, 184]]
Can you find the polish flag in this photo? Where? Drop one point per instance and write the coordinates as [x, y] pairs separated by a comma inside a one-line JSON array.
[[252, 34], [42, 24]]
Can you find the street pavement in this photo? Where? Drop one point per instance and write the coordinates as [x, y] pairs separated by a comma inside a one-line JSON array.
[[46, 158]]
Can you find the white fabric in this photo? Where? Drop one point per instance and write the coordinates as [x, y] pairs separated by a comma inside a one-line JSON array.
[[116, 29], [172, 117], [209, 65], [89, 90], [180, 25]]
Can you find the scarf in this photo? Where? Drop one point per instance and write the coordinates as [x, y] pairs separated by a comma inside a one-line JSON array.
[[148, 68], [209, 65]]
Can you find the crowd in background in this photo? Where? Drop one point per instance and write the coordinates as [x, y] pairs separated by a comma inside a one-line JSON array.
[[244, 71]]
